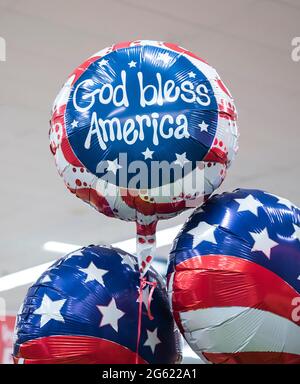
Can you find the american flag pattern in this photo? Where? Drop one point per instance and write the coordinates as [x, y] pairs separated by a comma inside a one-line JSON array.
[[213, 138], [84, 309], [234, 279]]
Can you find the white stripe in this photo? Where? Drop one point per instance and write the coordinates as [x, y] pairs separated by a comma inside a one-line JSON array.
[[170, 289], [239, 329]]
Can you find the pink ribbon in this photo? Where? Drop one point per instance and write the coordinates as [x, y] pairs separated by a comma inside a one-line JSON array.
[[143, 283]]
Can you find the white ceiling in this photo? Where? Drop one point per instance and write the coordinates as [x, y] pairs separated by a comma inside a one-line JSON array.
[[247, 41]]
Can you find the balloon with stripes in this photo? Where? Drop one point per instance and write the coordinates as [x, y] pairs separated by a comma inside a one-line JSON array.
[[141, 131], [234, 279]]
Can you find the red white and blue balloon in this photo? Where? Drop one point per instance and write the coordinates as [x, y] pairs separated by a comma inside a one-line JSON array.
[[85, 309], [234, 279], [128, 109]]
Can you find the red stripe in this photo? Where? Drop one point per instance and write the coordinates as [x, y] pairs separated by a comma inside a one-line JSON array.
[[216, 155], [253, 358], [75, 350], [223, 87], [176, 48], [146, 229], [59, 118], [122, 44], [225, 281], [82, 68], [94, 198], [148, 208]]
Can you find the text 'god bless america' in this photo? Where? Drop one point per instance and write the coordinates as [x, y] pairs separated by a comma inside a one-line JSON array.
[[159, 93]]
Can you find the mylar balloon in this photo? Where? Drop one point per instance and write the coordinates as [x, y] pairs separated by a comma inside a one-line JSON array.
[[234, 279], [141, 131], [86, 309]]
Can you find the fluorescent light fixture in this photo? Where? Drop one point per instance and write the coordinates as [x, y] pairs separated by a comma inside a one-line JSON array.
[[29, 275], [57, 246], [164, 237], [26, 276]]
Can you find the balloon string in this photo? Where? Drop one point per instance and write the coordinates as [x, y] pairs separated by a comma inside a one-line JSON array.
[[153, 285], [143, 283], [145, 244], [139, 319]]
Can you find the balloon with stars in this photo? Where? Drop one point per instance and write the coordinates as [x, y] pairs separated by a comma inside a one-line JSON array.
[[85, 309], [234, 279], [136, 127]]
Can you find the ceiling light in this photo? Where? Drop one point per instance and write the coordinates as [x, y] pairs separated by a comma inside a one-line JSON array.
[[27, 276]]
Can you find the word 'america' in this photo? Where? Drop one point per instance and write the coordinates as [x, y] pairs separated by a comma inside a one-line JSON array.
[[164, 125]]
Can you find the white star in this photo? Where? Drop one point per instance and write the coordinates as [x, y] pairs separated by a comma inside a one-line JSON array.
[[152, 340], [249, 204], [285, 202], [132, 64], [298, 277], [128, 260], [74, 124], [94, 273], [145, 297], [262, 242], [148, 154], [282, 201], [75, 254], [203, 126], [20, 309], [103, 62], [192, 75], [181, 159], [110, 314], [165, 57], [296, 234], [204, 232], [50, 310], [113, 166], [46, 279]]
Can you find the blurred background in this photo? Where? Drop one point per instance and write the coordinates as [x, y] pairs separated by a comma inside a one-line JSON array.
[[249, 42]]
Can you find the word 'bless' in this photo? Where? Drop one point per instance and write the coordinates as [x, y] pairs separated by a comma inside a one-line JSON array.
[[132, 129]]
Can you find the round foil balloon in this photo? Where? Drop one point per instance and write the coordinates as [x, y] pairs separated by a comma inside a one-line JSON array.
[[141, 131], [86, 309], [234, 279]]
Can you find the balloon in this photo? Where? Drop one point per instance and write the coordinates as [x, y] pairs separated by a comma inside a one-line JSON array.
[[234, 279], [85, 309], [141, 131]]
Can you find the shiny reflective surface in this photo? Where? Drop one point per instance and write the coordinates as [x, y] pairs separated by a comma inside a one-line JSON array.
[[132, 109], [234, 278], [84, 309]]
